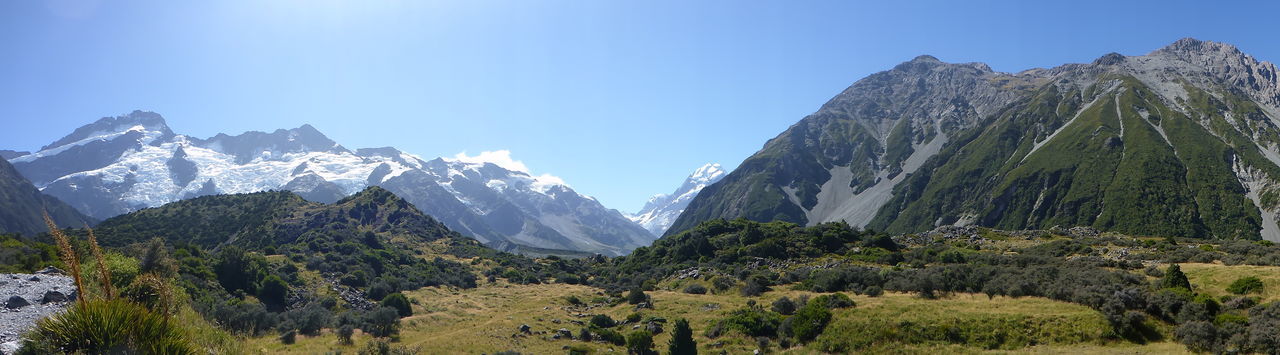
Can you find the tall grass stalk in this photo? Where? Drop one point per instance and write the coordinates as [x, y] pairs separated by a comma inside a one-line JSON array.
[[68, 255], [105, 278]]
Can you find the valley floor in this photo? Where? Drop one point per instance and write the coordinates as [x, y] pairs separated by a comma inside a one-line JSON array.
[[487, 320]]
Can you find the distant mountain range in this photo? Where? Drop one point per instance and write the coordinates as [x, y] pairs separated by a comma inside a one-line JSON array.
[[1184, 141], [661, 210], [121, 164]]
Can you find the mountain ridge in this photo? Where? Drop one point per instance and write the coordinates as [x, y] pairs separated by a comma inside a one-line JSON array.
[[1188, 131], [121, 164]]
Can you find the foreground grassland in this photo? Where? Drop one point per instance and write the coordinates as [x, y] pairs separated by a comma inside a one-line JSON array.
[[486, 320]]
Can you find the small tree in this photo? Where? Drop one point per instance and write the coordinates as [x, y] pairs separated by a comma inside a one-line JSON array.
[[1174, 278], [1247, 284], [637, 296], [811, 320], [682, 342], [344, 334], [400, 303], [639, 342], [383, 322], [784, 306], [274, 292]]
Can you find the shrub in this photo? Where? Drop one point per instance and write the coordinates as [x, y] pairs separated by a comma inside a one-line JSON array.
[[603, 321], [811, 320], [833, 301], [873, 291], [695, 289], [573, 300], [722, 283], [636, 296], [310, 319], [753, 287], [753, 321], [634, 317], [1248, 284], [274, 292], [400, 303], [1174, 278], [682, 342], [156, 259], [579, 349], [151, 292], [1199, 336], [784, 306], [383, 322], [639, 342], [609, 336], [106, 326], [289, 337], [344, 334]]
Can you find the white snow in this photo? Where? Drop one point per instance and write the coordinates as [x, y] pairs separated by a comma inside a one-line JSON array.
[[148, 137]]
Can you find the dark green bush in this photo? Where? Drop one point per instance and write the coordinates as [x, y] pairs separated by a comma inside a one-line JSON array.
[[400, 303], [1247, 284]]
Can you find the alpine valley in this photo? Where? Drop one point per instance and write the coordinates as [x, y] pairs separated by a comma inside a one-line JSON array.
[[1127, 205]]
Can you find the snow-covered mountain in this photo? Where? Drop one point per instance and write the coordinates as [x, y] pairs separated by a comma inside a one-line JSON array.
[[121, 164], [663, 209]]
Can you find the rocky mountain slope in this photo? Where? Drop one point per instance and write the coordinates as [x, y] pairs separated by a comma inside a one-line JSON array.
[[121, 164], [21, 206], [661, 210], [1181, 141]]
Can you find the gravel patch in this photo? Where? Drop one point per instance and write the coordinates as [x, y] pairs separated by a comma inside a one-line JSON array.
[[27, 298]]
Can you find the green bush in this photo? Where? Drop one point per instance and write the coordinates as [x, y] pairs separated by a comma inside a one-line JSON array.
[[1248, 284], [695, 289], [344, 334], [609, 336], [639, 342], [399, 302], [274, 292], [784, 306], [1174, 278], [636, 296], [382, 322], [106, 326], [682, 342], [811, 320], [834, 301], [753, 321], [603, 321], [150, 291]]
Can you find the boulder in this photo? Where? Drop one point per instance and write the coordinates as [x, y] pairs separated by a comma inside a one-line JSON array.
[[53, 296], [16, 302]]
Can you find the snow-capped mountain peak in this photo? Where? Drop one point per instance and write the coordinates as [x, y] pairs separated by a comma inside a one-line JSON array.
[[120, 164], [662, 209]]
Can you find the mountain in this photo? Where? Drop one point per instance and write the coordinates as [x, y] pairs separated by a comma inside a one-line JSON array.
[[122, 164], [662, 209], [1182, 141], [22, 205]]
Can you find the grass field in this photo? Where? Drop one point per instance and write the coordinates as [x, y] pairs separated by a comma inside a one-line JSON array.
[[486, 320], [1213, 279]]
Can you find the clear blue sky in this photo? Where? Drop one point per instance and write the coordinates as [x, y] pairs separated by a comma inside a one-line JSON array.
[[620, 99]]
